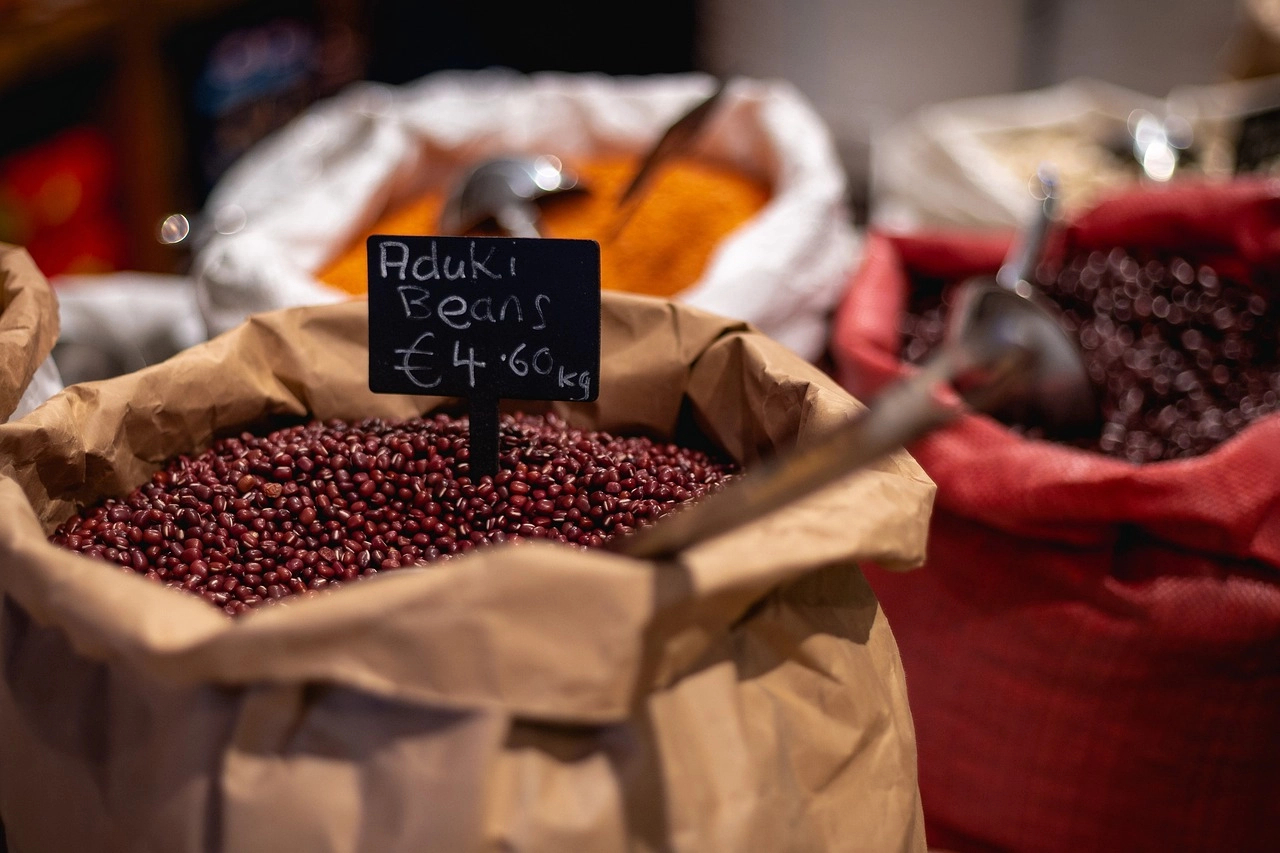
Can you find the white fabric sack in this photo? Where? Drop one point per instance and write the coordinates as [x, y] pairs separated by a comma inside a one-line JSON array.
[[967, 163], [115, 323], [303, 195]]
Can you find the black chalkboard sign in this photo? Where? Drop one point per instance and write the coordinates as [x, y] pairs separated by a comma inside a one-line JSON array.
[[484, 318]]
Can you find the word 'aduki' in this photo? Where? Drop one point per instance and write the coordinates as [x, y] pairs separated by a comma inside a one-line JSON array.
[[394, 255]]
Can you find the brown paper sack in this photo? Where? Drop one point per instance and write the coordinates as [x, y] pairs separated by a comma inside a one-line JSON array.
[[748, 696], [28, 331]]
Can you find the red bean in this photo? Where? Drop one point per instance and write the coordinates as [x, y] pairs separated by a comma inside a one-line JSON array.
[[375, 496]]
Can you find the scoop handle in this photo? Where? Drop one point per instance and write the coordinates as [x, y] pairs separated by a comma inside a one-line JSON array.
[[674, 140], [975, 371], [905, 411]]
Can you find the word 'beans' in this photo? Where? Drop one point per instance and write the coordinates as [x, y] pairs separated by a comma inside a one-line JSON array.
[[258, 518]]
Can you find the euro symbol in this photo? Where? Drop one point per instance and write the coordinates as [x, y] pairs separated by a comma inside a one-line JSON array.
[[412, 366]]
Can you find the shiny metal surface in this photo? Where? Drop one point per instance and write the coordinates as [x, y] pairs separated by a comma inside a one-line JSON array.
[[505, 190]]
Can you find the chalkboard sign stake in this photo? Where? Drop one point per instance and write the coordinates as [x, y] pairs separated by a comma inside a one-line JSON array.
[[484, 436]]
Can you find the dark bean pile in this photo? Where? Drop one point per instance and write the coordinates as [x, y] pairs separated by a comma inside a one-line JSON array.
[[1182, 358], [257, 518]]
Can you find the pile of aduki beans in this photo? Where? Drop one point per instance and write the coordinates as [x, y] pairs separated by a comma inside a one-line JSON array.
[[1182, 358], [257, 518]]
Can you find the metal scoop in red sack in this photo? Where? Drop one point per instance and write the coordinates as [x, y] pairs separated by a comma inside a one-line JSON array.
[[1057, 395]]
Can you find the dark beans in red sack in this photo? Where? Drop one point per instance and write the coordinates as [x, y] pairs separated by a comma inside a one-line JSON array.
[[1180, 358], [258, 518], [1093, 642]]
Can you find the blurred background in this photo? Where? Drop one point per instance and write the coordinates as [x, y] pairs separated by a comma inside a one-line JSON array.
[[114, 113]]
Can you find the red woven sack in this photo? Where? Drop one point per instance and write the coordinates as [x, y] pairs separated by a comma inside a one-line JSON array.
[[1092, 650]]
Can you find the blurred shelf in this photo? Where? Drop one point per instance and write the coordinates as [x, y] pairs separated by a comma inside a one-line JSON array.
[[37, 39], [32, 47], [143, 105]]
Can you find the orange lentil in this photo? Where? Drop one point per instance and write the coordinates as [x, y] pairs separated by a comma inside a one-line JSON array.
[[686, 212]]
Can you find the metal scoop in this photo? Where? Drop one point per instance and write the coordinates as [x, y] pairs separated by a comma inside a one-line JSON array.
[[1060, 399], [1001, 349], [506, 191]]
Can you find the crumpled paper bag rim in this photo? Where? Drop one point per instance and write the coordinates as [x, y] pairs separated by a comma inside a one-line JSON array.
[[481, 634]]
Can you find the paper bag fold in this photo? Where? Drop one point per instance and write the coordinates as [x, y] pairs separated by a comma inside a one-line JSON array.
[[481, 664], [28, 331]]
